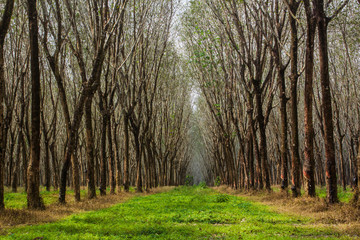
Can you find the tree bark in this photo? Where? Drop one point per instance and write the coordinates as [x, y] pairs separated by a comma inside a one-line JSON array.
[[90, 150], [330, 163], [34, 200], [309, 161], [126, 154], [284, 130], [138, 161], [111, 161], [262, 129], [295, 158], [103, 156], [117, 159], [4, 27]]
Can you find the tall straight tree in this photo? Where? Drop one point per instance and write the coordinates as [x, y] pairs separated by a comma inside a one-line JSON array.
[[295, 158], [309, 162], [4, 27], [357, 190], [330, 164], [34, 200]]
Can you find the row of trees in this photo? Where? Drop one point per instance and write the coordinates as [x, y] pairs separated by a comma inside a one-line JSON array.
[[278, 82], [108, 96]]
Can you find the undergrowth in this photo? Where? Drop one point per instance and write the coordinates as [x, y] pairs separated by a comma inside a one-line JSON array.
[[18, 200], [182, 213]]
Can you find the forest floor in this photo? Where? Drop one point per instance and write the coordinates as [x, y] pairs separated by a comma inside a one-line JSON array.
[[186, 213], [17, 215], [343, 217]]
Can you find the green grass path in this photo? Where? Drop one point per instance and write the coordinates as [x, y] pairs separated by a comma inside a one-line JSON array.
[[183, 213]]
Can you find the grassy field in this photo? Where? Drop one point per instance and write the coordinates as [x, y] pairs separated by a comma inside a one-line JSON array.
[[182, 213]]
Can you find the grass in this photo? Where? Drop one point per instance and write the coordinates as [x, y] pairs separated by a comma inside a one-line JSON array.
[[16, 214], [344, 216], [18, 200], [344, 196], [182, 213]]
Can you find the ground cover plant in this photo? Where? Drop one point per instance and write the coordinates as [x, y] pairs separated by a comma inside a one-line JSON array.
[[182, 213]]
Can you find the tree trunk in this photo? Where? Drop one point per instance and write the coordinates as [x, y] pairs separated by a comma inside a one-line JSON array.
[[4, 26], [103, 156], [34, 200], [295, 158], [90, 150], [117, 159], [75, 174], [14, 181], [47, 155], [284, 130], [47, 166], [138, 162], [111, 161], [357, 190], [309, 162], [70, 148], [126, 154], [330, 163], [262, 130], [55, 166]]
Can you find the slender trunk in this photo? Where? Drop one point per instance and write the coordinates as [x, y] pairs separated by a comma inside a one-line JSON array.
[[295, 158], [164, 172], [9, 164], [357, 190], [103, 156], [251, 160], [138, 162], [47, 166], [55, 166], [309, 161], [47, 156], [126, 154], [89, 149], [70, 148], [253, 146], [34, 200], [14, 181], [4, 27], [262, 130], [330, 163], [342, 164], [24, 163], [75, 175], [147, 171], [284, 130], [111, 161], [11, 161], [118, 163], [340, 142], [354, 166]]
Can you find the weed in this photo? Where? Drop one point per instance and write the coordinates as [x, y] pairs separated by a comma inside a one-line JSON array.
[[189, 180], [217, 181], [202, 185], [221, 198]]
